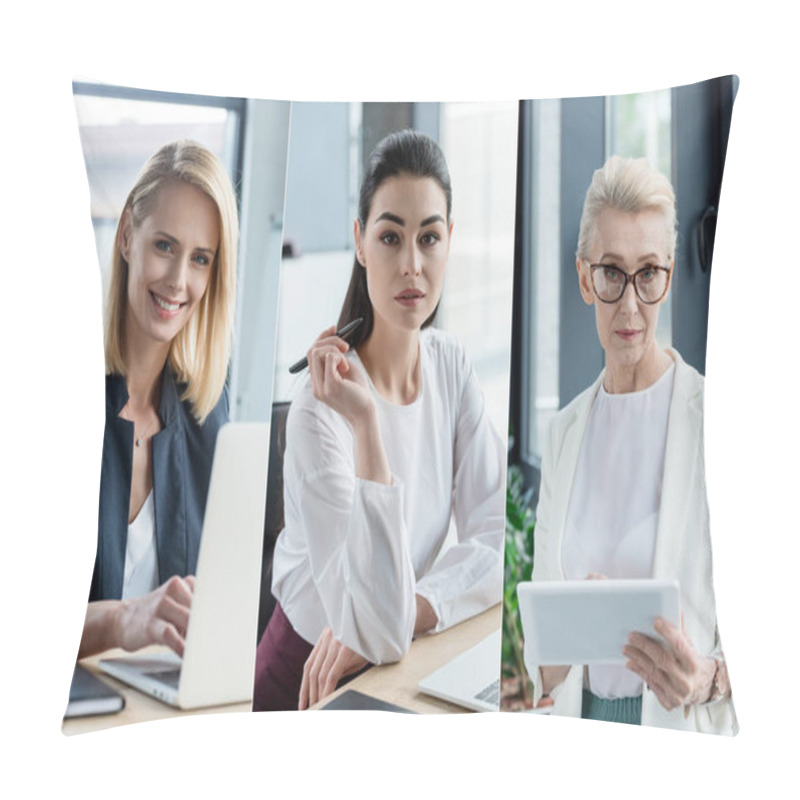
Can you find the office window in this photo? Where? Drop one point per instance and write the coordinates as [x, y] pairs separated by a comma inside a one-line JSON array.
[[683, 133], [544, 284], [324, 175], [639, 126], [329, 144], [119, 133], [636, 125], [480, 142], [121, 127]]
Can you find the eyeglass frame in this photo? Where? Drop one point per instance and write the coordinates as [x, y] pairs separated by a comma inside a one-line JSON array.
[[630, 278]]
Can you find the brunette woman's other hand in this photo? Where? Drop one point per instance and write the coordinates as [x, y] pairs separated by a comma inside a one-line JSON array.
[[328, 663]]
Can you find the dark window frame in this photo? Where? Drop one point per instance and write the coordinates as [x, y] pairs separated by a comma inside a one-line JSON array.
[[238, 105]]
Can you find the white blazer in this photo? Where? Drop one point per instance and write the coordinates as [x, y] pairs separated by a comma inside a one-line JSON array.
[[683, 544]]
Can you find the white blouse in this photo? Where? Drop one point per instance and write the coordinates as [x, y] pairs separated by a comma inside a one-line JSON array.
[[612, 518], [354, 553], [141, 556]]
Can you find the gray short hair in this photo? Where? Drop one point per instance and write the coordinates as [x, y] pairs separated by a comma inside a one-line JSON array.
[[631, 185]]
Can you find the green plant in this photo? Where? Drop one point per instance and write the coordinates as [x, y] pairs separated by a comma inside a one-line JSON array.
[[518, 567]]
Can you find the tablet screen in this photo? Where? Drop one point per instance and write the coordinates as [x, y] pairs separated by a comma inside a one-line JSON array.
[[588, 622]]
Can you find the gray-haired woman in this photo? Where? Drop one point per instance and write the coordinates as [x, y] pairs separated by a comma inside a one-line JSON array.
[[623, 488]]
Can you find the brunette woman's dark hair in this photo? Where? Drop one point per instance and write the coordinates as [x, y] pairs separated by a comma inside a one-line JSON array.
[[403, 153]]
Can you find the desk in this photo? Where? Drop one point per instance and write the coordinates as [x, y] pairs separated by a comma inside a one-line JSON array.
[[394, 683], [397, 683], [139, 707]]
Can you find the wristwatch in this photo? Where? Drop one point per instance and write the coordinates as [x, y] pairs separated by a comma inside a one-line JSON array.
[[720, 685]]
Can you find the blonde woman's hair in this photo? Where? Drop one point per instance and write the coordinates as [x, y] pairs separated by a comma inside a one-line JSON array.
[[199, 354], [630, 185]]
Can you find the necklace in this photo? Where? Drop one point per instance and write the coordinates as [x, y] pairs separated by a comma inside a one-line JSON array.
[[141, 439]]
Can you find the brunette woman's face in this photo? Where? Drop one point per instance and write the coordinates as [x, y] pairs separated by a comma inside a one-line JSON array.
[[404, 247], [170, 256]]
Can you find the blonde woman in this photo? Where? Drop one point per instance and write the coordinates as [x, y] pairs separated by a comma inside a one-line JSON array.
[[168, 335], [623, 488]]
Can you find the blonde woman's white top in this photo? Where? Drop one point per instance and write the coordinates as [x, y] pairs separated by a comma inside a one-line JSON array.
[[354, 553], [141, 559]]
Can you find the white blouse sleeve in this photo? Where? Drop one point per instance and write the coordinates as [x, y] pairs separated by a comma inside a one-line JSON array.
[[468, 578], [356, 538]]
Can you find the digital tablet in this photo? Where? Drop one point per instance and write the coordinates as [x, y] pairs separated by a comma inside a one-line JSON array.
[[352, 700], [588, 622]]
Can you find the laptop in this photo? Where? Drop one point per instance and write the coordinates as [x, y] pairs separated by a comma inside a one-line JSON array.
[[218, 663], [471, 680]]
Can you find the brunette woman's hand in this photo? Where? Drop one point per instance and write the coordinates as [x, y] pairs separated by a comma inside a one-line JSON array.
[[338, 382], [426, 617], [329, 662], [343, 385], [675, 673]]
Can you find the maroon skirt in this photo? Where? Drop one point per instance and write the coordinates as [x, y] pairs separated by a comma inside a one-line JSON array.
[[280, 658]]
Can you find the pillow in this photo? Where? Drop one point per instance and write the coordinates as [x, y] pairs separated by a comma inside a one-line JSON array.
[[563, 143]]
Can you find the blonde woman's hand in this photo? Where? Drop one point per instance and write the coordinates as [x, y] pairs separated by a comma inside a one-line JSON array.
[[338, 382], [329, 662], [675, 673], [160, 617]]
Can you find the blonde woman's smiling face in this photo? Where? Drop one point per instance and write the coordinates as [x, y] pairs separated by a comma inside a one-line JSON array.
[[170, 256], [404, 247]]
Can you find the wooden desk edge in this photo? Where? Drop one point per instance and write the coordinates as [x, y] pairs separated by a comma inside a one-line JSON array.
[[139, 706], [393, 683], [397, 683]]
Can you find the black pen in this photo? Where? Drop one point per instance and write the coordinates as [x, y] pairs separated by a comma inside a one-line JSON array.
[[351, 326]]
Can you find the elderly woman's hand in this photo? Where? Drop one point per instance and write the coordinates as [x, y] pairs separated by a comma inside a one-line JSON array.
[[675, 673]]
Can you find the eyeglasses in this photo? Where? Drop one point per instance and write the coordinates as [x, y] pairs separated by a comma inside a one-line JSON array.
[[609, 283]]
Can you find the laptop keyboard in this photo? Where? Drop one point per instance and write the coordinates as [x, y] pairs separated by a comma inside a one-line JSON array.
[[170, 677], [491, 694]]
